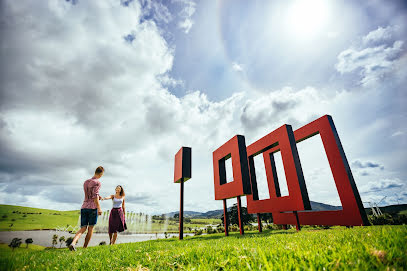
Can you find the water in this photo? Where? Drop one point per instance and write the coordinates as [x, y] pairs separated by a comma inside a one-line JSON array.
[[136, 223]]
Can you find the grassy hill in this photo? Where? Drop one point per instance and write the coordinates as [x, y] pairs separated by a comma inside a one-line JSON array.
[[15, 218], [358, 248]]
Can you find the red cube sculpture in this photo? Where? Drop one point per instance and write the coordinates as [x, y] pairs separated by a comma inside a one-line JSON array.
[[182, 167], [234, 149]]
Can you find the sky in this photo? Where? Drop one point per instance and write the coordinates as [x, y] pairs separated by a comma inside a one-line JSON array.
[[125, 84]]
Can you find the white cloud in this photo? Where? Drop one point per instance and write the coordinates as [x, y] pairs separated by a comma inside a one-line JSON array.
[[156, 10], [237, 67], [397, 133], [376, 57], [384, 186], [186, 14], [379, 36]]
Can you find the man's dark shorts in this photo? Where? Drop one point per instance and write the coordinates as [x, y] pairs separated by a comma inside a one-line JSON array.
[[89, 217]]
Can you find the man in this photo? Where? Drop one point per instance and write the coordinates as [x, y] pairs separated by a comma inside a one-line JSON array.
[[90, 208]]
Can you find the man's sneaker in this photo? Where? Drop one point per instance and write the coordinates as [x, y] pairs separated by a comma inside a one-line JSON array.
[[72, 247]]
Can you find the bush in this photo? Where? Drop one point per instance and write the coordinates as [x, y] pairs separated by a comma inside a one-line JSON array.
[[210, 230], [220, 229], [250, 227], [198, 232], [234, 227], [16, 242], [388, 219], [68, 241], [29, 241], [273, 226]]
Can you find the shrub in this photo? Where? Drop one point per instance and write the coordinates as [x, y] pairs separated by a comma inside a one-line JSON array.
[[61, 240], [210, 230], [234, 228], [54, 240], [28, 241], [68, 241], [388, 219], [16, 242]]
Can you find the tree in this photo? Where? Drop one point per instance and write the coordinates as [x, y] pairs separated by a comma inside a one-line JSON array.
[[29, 241], [16, 242], [54, 240], [61, 240], [68, 241], [176, 215], [234, 218]]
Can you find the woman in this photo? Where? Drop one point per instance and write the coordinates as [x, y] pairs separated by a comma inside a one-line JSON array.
[[117, 221]]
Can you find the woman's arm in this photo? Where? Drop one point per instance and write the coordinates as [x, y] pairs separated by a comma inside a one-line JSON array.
[[109, 197], [123, 207]]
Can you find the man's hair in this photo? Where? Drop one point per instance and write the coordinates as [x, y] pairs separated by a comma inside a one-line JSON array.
[[99, 170]]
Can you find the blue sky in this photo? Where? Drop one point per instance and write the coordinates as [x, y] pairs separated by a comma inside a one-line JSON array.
[[125, 84]]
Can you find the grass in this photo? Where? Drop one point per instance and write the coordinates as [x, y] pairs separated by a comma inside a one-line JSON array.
[[17, 218], [358, 248], [23, 247]]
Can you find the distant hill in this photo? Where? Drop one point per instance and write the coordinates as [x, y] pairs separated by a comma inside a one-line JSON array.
[[316, 206], [391, 209]]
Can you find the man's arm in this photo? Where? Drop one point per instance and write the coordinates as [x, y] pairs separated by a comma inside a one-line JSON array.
[[98, 205], [96, 199]]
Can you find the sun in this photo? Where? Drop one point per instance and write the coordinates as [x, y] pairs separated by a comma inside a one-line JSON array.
[[305, 19]]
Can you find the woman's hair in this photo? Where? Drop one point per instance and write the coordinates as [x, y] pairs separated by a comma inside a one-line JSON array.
[[121, 191], [99, 170]]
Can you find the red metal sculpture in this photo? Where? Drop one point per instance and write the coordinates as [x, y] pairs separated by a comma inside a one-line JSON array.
[[281, 139], [353, 212], [182, 173], [289, 209], [234, 149]]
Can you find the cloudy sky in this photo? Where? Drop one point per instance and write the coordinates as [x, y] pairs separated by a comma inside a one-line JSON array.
[[125, 84]]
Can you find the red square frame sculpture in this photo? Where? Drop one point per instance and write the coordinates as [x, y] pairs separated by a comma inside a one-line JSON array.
[[353, 212], [281, 139], [235, 149]]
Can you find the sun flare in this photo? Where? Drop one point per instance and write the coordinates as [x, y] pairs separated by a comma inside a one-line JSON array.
[[306, 18]]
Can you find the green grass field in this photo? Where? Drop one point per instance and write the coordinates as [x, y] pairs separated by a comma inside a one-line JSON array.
[[358, 248], [17, 218]]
